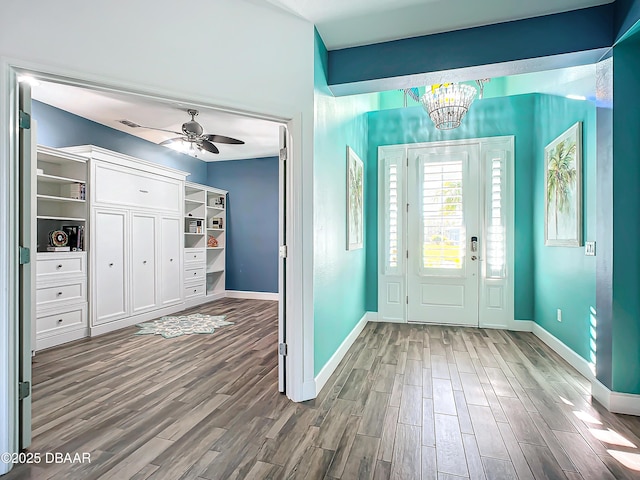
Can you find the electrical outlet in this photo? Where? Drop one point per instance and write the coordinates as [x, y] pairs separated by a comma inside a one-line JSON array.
[[559, 315], [590, 249]]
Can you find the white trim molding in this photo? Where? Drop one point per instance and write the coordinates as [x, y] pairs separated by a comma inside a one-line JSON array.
[[615, 402], [252, 295], [330, 367]]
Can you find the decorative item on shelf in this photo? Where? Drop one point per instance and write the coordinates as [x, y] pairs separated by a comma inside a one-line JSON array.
[[75, 234], [218, 202], [77, 191], [448, 103], [195, 226], [216, 222], [58, 240], [212, 241]]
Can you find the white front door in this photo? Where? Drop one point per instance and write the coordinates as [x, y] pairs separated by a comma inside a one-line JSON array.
[[443, 233], [445, 238]]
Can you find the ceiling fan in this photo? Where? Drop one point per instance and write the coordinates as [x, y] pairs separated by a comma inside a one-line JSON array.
[[192, 135]]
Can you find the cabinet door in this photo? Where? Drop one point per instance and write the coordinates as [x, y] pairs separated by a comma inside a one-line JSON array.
[[109, 272], [170, 260], [143, 262]]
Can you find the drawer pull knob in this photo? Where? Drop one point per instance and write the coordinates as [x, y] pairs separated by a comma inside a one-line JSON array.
[[171, 259], [60, 320], [59, 266], [144, 191], [59, 293], [195, 256], [194, 291], [195, 273], [144, 262], [111, 264]]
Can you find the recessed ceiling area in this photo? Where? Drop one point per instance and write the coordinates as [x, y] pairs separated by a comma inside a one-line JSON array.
[[351, 23], [109, 108]]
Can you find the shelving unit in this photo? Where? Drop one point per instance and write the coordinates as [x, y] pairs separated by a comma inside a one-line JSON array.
[[206, 205], [61, 276]]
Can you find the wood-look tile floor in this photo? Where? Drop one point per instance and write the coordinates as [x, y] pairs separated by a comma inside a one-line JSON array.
[[406, 402]]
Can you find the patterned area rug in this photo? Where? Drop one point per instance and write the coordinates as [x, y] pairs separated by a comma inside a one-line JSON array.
[[170, 327]]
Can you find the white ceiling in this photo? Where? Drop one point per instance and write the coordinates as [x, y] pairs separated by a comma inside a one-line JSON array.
[[348, 23], [260, 136]]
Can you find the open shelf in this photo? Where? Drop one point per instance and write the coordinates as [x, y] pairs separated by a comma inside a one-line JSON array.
[[215, 270], [216, 209], [43, 177], [63, 219], [215, 229], [51, 198], [191, 233], [215, 248]]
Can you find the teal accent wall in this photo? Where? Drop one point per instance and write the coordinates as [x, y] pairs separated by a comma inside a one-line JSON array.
[[487, 118], [338, 275], [564, 277], [626, 228]]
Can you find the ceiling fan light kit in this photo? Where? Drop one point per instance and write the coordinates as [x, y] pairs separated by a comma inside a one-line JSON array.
[[192, 139]]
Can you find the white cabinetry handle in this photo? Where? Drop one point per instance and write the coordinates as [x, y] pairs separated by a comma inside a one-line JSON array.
[[144, 191]]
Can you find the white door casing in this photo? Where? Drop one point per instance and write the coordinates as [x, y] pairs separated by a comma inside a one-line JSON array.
[[490, 163]]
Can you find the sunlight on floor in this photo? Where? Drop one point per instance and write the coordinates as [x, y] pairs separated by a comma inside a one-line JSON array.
[[565, 401], [585, 417], [611, 437], [629, 460]]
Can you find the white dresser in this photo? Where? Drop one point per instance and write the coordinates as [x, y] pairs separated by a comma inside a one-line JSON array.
[[61, 298]]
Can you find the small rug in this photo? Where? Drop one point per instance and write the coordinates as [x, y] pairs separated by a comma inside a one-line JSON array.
[[170, 327]]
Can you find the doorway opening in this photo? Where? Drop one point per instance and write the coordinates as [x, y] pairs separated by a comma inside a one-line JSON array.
[[49, 174], [446, 236]]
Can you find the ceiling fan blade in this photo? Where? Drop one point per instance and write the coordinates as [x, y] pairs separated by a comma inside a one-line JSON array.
[[223, 139], [131, 124], [171, 140], [208, 146]]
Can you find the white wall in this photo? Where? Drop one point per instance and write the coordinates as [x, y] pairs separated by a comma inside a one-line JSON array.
[[229, 53]]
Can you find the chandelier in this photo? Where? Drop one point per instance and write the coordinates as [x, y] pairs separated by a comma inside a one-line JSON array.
[[447, 104]]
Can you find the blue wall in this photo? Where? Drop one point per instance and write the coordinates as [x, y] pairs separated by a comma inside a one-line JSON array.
[[562, 33], [564, 277], [252, 221], [58, 128], [338, 275], [486, 118]]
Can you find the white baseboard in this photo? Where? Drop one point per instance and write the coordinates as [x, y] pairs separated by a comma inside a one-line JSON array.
[[571, 357], [521, 325], [615, 402], [253, 295], [375, 317], [201, 299], [324, 374]]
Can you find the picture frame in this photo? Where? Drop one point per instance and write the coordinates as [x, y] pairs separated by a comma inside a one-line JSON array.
[[563, 189], [355, 200]]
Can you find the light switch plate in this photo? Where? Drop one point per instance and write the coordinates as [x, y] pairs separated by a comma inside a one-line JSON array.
[[590, 249]]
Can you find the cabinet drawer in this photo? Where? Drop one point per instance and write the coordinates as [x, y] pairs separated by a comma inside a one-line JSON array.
[[192, 255], [194, 290], [135, 188], [192, 275], [66, 320], [50, 266], [60, 294]]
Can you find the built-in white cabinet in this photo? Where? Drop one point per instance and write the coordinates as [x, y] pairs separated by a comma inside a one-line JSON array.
[[141, 242], [61, 260], [205, 243], [170, 264], [136, 267], [143, 262], [109, 265]]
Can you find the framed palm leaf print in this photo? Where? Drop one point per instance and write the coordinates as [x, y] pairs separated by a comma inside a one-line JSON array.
[[563, 189], [355, 201]]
